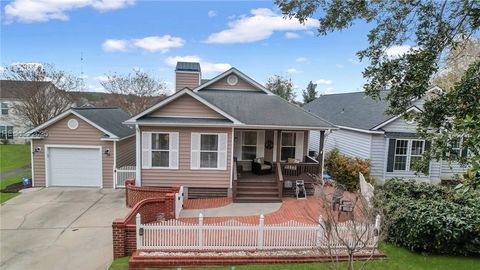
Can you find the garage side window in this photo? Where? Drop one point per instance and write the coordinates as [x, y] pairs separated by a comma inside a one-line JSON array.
[[160, 150]]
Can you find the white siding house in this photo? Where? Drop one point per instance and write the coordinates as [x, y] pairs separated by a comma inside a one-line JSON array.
[[389, 143]]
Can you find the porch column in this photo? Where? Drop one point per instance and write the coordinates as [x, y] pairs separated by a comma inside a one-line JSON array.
[[279, 145], [321, 152]]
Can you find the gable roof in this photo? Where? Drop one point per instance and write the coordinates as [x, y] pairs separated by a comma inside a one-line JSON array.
[[239, 74], [12, 89], [106, 119], [257, 108], [355, 110]]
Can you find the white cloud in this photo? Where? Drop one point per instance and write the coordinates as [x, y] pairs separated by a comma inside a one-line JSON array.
[[150, 44], [310, 33], [2, 69], [292, 71], [291, 35], [113, 45], [399, 50], [158, 43], [212, 13], [101, 78], [207, 67], [323, 81], [327, 91], [29, 11], [301, 60], [354, 61], [260, 25]]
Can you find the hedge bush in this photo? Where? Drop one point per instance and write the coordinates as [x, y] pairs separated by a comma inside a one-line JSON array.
[[429, 218], [344, 170]]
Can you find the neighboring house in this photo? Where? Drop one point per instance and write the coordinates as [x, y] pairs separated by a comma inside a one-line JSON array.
[[12, 125], [365, 131], [82, 147], [195, 137]]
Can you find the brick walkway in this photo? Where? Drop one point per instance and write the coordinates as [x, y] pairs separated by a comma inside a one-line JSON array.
[[304, 211]]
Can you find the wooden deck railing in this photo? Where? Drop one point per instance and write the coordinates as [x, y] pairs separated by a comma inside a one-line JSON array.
[[289, 170]]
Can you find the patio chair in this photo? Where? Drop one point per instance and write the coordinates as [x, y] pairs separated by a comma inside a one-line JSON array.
[[300, 190], [261, 167], [345, 206], [337, 196]]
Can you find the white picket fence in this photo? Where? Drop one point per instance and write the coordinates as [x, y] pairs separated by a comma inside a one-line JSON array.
[[124, 173], [235, 235], [179, 201]]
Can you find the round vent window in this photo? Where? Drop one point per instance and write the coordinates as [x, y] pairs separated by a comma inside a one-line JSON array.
[[232, 80], [72, 124]]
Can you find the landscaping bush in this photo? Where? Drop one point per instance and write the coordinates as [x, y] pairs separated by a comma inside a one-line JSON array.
[[344, 170], [429, 218]]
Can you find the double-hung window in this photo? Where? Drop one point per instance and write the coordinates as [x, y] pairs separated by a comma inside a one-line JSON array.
[[209, 151], [160, 150], [407, 151], [288, 145], [249, 145], [6, 132], [4, 108]]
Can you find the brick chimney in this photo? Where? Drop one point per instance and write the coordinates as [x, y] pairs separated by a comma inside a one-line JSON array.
[[187, 74]]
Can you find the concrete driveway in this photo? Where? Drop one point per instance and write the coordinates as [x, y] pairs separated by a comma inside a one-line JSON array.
[[59, 228]]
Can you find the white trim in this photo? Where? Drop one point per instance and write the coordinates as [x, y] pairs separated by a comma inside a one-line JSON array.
[[114, 164], [231, 156], [187, 71], [286, 127], [217, 151], [138, 158], [239, 74], [189, 117], [412, 108], [408, 155], [242, 131], [175, 96], [275, 138], [75, 146], [169, 151], [65, 114], [385, 157], [361, 130], [32, 160], [147, 123]]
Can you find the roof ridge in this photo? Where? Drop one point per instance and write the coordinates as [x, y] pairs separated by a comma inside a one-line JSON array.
[[296, 106], [95, 108]]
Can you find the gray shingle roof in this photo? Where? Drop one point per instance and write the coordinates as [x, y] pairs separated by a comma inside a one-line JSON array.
[[178, 120], [109, 118], [258, 108], [350, 109], [188, 66]]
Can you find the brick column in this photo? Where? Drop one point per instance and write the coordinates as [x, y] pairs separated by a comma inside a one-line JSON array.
[[118, 234]]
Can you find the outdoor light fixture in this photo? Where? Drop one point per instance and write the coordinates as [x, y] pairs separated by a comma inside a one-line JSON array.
[[37, 149], [107, 152]]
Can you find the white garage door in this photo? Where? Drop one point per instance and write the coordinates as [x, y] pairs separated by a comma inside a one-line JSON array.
[[79, 167]]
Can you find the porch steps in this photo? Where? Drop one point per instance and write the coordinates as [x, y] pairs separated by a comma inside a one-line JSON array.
[[256, 190]]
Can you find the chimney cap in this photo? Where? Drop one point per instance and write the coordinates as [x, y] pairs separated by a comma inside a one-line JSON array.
[[188, 66]]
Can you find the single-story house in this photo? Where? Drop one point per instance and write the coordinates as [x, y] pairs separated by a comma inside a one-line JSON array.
[[82, 147], [209, 132], [390, 143]]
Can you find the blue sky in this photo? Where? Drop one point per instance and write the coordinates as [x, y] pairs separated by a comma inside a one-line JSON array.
[[125, 34]]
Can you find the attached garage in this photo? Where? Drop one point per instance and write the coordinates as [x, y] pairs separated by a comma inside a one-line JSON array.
[[64, 164], [82, 148]]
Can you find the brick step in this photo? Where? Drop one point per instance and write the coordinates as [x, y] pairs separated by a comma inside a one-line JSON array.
[[256, 199]]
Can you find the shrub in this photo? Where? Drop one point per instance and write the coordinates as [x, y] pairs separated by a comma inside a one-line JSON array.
[[345, 169], [429, 218]]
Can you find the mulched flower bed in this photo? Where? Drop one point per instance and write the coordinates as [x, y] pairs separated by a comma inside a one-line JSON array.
[[14, 188]]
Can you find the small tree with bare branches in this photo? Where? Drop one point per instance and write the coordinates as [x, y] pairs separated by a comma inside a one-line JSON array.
[[347, 233], [133, 92], [43, 93]]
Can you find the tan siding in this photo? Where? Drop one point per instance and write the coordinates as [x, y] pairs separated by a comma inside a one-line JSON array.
[[85, 134], [126, 152], [184, 175], [241, 85], [186, 106], [190, 80]]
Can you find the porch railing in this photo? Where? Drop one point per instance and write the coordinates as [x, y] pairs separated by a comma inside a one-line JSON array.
[[124, 173], [279, 177], [234, 179], [289, 170]]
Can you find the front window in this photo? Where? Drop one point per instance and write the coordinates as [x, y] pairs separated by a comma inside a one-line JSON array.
[[208, 150], [4, 108], [406, 153], [160, 150], [6, 132], [249, 145], [288, 145], [456, 149]]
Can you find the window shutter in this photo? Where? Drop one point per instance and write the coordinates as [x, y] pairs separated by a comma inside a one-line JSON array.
[[173, 153], [391, 154], [195, 151], [299, 145], [260, 144], [146, 150], [464, 153], [222, 151]]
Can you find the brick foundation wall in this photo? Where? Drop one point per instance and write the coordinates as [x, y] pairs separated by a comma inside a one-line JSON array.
[[134, 194], [151, 210]]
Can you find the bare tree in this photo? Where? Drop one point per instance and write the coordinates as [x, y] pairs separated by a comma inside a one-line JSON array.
[[133, 92], [347, 233], [42, 91]]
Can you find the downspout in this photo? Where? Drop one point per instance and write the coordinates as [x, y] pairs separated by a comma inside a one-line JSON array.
[[138, 162], [31, 161], [115, 164]]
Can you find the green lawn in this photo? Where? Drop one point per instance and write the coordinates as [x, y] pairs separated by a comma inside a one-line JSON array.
[[397, 259], [13, 156], [8, 181]]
